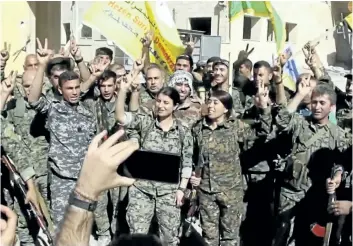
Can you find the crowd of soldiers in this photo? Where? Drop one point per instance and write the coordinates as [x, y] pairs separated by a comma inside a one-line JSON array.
[[263, 159]]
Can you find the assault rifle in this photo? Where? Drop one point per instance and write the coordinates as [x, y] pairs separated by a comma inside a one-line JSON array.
[[17, 180]]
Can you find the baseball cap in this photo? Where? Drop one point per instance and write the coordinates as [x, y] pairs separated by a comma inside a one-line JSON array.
[[221, 61]]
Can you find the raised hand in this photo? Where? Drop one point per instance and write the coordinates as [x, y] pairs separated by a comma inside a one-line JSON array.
[[304, 87], [74, 49], [262, 99], [277, 71], [43, 54], [243, 54], [148, 39], [190, 46], [8, 84], [64, 52], [5, 54], [139, 63], [98, 68]]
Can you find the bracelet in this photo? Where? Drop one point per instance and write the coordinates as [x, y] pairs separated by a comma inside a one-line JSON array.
[[84, 196], [79, 60]]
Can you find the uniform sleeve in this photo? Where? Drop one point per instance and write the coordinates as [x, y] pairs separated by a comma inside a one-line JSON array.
[[288, 122], [133, 125], [237, 105], [42, 105], [16, 150], [187, 155]]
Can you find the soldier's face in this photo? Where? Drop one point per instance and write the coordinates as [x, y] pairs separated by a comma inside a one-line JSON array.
[[220, 73], [154, 80], [216, 108], [164, 106], [54, 77], [104, 58], [321, 106], [262, 75], [107, 89], [27, 80], [182, 64], [243, 70], [349, 88], [209, 67], [71, 91], [183, 89], [31, 63]]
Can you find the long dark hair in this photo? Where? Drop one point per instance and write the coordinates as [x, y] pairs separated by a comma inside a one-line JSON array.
[[225, 98]]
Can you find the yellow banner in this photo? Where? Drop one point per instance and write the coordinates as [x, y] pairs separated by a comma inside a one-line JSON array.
[[126, 23]]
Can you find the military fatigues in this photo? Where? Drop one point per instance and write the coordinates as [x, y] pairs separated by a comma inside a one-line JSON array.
[[344, 115], [105, 115], [19, 153], [221, 188], [71, 131], [30, 125], [303, 198], [145, 95], [148, 197]]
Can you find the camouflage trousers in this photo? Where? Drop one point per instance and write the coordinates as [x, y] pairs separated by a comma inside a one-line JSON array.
[[143, 206], [60, 189], [221, 217], [101, 217]]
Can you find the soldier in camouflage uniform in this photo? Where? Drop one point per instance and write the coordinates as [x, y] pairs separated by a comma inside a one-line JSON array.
[[155, 78], [221, 188], [104, 111], [19, 153], [147, 198], [71, 125], [344, 107], [31, 127], [317, 144]]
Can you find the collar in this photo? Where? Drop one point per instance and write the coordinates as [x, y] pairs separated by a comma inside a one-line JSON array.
[[188, 101], [174, 125], [225, 124]]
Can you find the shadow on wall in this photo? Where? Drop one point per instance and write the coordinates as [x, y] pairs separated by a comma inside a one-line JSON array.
[[343, 42]]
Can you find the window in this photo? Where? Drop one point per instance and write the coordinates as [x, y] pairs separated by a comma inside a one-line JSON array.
[[201, 24], [252, 28], [86, 32], [67, 31], [291, 32], [122, 58], [270, 32]]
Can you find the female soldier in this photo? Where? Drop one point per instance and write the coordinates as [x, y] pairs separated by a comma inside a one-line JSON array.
[[160, 133], [218, 138]]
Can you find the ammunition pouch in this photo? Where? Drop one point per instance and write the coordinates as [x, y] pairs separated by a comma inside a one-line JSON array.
[[297, 172]]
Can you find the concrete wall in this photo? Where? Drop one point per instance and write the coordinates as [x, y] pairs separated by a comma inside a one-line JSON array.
[[28, 19], [311, 19]]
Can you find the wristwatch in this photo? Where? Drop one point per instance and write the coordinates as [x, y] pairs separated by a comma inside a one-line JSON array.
[[79, 60], [77, 201]]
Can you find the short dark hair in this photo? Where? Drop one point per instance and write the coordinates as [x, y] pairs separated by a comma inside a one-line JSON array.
[[67, 76], [172, 93], [107, 74], [213, 59], [58, 67], [105, 51], [247, 63], [225, 98], [325, 89], [261, 64], [186, 57]]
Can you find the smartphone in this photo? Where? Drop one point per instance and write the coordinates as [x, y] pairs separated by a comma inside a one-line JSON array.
[[153, 166]]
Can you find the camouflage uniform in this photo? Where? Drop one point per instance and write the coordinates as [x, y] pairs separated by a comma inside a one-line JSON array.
[[189, 112], [19, 153], [146, 197], [71, 131], [303, 197], [105, 115], [30, 125], [145, 95], [221, 188], [344, 115]]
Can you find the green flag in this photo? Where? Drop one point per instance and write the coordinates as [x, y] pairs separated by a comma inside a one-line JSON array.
[[260, 9]]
